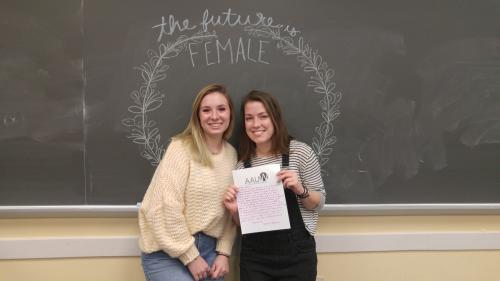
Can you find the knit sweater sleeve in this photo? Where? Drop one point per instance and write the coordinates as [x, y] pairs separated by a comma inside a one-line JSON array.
[[225, 242], [164, 204]]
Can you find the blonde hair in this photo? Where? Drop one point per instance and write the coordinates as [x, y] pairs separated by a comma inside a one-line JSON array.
[[194, 135]]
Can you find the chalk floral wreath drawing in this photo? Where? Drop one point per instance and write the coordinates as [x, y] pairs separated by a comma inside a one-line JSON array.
[[148, 97]]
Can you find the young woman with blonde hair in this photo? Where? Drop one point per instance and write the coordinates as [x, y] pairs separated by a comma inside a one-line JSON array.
[[185, 232]]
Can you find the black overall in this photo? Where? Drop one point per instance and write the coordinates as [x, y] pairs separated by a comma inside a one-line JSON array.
[[283, 254]]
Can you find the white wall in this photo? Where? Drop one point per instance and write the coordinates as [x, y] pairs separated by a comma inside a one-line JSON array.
[[351, 248]]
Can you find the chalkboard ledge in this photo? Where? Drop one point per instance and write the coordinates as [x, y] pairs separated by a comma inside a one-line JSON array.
[[72, 211], [411, 209], [329, 210]]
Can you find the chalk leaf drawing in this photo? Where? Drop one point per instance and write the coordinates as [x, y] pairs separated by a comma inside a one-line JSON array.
[[321, 81], [149, 98]]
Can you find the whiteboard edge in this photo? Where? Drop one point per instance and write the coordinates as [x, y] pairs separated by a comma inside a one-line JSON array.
[[328, 210]]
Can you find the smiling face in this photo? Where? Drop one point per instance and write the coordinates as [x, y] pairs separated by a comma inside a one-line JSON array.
[[214, 114], [258, 124]]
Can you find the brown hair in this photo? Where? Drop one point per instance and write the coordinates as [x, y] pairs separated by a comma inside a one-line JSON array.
[[280, 140], [194, 134]]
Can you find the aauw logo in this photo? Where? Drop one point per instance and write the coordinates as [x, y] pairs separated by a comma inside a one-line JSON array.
[[258, 179]]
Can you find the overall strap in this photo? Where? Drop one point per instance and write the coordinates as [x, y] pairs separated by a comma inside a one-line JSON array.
[[296, 222], [285, 160]]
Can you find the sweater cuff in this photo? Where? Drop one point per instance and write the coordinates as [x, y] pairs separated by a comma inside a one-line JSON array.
[[191, 254], [224, 246]]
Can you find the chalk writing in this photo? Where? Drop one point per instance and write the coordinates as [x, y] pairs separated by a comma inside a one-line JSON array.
[[227, 18], [241, 51], [168, 28], [203, 50]]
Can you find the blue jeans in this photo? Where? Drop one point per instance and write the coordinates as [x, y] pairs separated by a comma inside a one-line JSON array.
[[159, 266]]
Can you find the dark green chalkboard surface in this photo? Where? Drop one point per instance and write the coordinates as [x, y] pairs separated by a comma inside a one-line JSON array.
[[400, 99]]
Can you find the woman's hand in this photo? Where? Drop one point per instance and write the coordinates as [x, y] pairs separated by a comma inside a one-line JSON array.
[[220, 267], [230, 199], [291, 181], [231, 204], [199, 268]]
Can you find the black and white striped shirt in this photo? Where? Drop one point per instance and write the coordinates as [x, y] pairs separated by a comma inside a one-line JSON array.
[[305, 163]]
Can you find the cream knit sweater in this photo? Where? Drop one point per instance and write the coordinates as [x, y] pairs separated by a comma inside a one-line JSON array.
[[183, 198]]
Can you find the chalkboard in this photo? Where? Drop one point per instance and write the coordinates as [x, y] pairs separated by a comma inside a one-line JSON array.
[[400, 99]]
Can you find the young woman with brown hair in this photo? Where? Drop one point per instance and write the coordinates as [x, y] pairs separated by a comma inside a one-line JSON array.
[[283, 254]]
